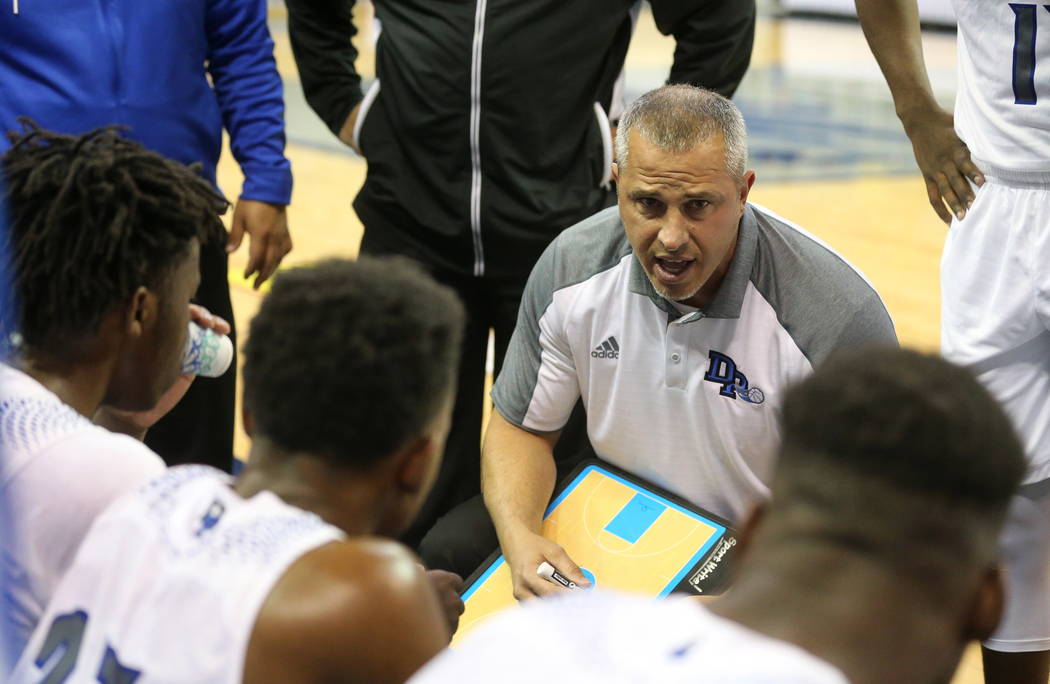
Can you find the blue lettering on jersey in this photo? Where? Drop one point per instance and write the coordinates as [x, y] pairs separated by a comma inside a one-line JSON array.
[[113, 672], [65, 637], [723, 371], [211, 516]]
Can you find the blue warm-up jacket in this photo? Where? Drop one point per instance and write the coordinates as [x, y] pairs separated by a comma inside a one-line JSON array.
[[75, 65]]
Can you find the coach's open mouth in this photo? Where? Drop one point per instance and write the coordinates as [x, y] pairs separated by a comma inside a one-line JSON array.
[[671, 270]]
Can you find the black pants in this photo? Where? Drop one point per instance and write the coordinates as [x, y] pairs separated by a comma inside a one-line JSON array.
[[463, 538], [200, 427], [490, 304]]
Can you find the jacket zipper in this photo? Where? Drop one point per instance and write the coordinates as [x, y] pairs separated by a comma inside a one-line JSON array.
[[475, 137]]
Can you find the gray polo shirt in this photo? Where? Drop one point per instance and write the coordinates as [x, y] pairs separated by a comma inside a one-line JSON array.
[[686, 399]]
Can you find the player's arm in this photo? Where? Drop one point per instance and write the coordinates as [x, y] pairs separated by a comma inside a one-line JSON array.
[[517, 478], [713, 40], [251, 97], [892, 30], [320, 33], [354, 611]]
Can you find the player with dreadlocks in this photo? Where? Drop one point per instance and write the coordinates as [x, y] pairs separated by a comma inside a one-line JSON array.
[[103, 240]]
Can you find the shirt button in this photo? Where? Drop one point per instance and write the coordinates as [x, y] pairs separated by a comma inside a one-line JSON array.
[[676, 357]]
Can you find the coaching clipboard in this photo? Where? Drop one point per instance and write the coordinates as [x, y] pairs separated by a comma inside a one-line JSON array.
[[625, 534]]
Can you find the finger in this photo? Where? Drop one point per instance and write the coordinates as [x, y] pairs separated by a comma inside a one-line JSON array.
[[523, 592], [949, 196], [541, 587], [269, 265], [934, 194], [206, 319], [222, 326], [454, 605], [199, 313], [972, 172], [445, 578], [257, 247], [236, 231], [202, 317], [565, 565], [455, 581], [961, 186]]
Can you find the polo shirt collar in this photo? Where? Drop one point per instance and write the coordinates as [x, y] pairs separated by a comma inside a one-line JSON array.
[[730, 296]]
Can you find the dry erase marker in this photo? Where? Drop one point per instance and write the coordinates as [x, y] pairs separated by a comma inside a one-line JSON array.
[[547, 572]]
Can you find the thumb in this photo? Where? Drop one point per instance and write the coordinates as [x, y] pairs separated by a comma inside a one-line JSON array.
[[236, 230]]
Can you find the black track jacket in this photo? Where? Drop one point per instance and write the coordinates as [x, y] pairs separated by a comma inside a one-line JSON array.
[[486, 131]]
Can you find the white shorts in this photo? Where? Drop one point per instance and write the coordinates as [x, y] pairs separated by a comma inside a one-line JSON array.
[[995, 319], [1025, 549], [995, 305]]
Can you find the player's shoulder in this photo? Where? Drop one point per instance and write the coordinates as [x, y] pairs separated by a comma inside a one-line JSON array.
[[38, 431], [343, 605], [352, 580], [354, 570]]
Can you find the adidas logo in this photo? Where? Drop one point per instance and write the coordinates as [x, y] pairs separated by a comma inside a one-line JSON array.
[[609, 349]]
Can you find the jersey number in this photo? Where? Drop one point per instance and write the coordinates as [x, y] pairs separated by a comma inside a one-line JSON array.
[[66, 633], [1024, 51]]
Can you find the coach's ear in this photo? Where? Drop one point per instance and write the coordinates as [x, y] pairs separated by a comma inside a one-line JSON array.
[[987, 607], [748, 529]]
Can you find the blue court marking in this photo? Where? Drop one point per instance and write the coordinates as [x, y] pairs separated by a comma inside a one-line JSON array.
[[590, 578], [481, 580], [635, 518], [696, 556]]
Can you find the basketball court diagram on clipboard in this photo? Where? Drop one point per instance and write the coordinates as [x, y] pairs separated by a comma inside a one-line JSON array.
[[624, 535]]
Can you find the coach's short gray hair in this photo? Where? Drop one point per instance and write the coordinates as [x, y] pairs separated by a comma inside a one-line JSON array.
[[677, 118]]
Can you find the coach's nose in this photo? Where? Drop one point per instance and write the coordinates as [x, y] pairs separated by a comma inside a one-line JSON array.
[[674, 233]]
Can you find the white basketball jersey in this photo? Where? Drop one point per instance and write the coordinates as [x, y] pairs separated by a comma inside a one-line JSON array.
[[58, 471], [167, 585], [602, 637], [1002, 110]]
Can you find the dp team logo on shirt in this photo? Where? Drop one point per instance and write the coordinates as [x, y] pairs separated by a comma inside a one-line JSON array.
[[723, 371]]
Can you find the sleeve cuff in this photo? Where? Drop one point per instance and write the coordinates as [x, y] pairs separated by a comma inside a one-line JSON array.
[[268, 184]]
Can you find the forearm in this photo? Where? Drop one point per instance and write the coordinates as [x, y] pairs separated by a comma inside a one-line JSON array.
[[893, 33], [517, 476], [250, 95]]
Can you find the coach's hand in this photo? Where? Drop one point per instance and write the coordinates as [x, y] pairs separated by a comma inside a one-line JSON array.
[[525, 553], [944, 161], [447, 586]]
